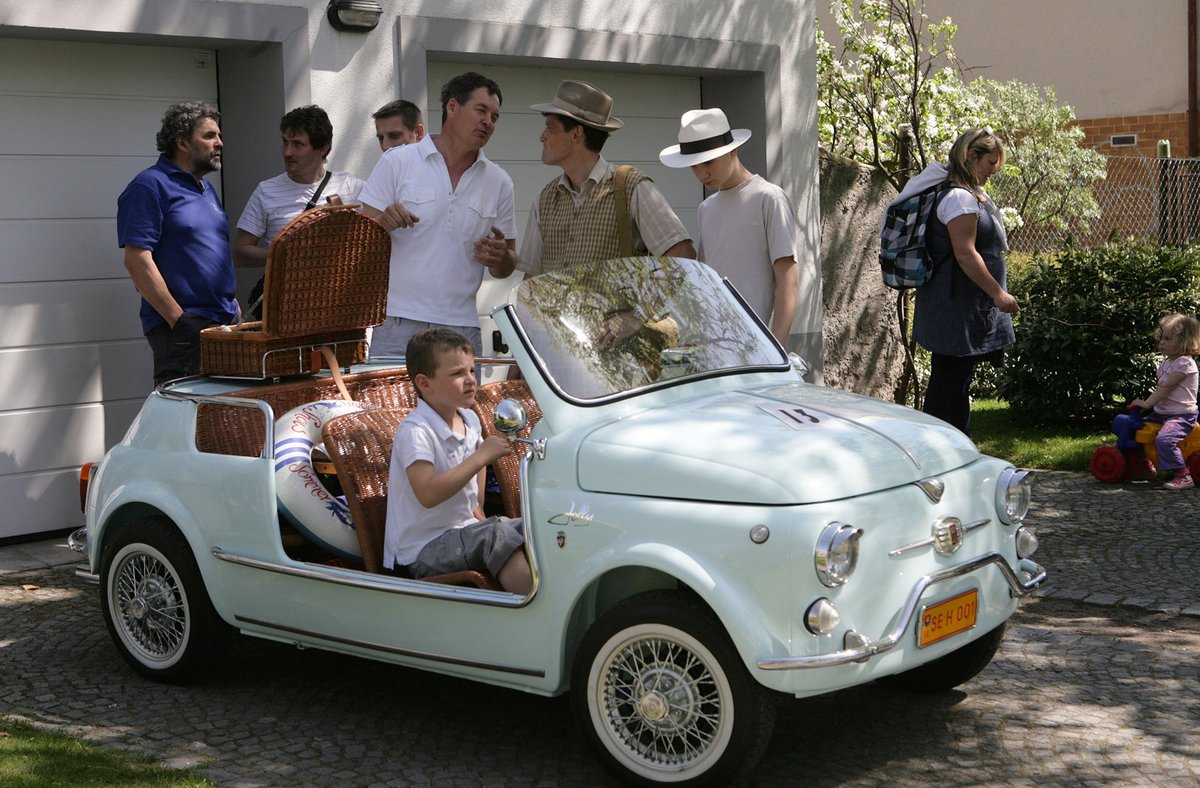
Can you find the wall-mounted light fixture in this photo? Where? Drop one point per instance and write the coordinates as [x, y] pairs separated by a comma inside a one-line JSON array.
[[355, 15]]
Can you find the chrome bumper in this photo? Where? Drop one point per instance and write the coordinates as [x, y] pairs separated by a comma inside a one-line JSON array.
[[77, 541], [868, 649]]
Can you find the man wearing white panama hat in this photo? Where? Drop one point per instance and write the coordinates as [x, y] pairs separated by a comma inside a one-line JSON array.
[[747, 227], [576, 218]]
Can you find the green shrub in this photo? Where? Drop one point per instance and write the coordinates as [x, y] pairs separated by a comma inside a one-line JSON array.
[[988, 381], [1085, 334]]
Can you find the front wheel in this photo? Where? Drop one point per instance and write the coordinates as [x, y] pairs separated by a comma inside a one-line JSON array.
[[155, 604], [1107, 464], [663, 696], [957, 667]]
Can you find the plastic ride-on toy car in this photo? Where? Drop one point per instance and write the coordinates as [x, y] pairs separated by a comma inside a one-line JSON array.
[[1135, 456]]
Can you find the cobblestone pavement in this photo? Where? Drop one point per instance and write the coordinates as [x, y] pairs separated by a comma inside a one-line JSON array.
[[1096, 683], [1132, 544]]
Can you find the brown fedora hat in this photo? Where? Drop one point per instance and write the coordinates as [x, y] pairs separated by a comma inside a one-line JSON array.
[[585, 103]]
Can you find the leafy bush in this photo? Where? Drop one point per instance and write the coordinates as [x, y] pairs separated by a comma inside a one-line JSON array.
[[1085, 334]]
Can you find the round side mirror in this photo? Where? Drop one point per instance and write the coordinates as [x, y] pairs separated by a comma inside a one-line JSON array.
[[510, 416]]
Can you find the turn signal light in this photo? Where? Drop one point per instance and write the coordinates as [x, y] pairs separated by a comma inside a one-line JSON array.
[[85, 476]]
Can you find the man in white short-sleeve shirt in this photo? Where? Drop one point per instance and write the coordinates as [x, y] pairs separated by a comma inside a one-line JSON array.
[[747, 227], [304, 183], [449, 210]]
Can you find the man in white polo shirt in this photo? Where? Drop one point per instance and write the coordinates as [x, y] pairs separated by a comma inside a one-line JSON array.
[[449, 210]]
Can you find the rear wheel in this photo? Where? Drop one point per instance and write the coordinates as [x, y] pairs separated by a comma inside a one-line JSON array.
[[957, 667], [1193, 464], [663, 696], [155, 604]]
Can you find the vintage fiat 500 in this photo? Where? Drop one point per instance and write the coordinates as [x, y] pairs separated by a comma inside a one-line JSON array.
[[708, 532]]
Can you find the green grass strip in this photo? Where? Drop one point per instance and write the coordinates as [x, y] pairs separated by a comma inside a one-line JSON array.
[[1055, 448], [33, 758]]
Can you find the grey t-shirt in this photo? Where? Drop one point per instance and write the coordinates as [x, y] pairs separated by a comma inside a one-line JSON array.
[[743, 231]]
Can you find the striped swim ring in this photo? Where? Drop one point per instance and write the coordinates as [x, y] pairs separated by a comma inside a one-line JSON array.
[[303, 499]]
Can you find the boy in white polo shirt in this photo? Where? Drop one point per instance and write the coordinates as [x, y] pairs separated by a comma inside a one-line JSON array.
[[435, 520], [748, 227]]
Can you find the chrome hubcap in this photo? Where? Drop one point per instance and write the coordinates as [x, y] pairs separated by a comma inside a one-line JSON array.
[[653, 707]]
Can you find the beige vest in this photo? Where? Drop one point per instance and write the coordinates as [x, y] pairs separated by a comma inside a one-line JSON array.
[[584, 234]]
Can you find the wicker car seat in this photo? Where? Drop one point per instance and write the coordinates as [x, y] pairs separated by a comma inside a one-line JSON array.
[[508, 469], [360, 445]]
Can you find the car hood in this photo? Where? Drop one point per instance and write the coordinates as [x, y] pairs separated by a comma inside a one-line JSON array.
[[782, 444]]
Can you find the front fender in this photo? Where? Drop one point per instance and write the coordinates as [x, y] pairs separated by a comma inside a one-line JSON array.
[[735, 604]]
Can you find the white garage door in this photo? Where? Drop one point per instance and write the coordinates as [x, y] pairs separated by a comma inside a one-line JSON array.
[[77, 122], [650, 105]]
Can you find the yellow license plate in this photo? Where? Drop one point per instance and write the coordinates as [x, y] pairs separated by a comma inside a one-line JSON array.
[[944, 619]]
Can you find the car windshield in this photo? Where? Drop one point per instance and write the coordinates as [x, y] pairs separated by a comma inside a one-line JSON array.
[[604, 329]]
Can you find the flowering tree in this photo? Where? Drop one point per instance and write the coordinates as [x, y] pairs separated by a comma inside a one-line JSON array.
[[1048, 175], [893, 67]]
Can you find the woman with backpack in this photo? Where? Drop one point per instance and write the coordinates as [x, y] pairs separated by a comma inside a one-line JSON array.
[[964, 312]]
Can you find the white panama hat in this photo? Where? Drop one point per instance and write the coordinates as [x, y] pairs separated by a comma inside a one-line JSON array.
[[704, 134]]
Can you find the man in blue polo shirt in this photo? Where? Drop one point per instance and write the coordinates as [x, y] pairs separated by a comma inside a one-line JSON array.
[[176, 239]]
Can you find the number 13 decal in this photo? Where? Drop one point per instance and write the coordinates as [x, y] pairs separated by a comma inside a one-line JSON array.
[[800, 415]]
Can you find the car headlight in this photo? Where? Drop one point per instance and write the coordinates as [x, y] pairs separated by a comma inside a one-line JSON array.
[[837, 553], [1012, 495]]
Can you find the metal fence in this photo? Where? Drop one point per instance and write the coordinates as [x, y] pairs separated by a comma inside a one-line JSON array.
[[1141, 197]]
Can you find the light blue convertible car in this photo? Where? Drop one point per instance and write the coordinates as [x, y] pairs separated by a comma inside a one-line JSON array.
[[708, 532]]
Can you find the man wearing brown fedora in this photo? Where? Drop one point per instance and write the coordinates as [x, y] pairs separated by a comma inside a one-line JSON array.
[[747, 225], [577, 216]]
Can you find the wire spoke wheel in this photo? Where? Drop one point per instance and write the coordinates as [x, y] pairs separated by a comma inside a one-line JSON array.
[[151, 606], [664, 697], [663, 702], [155, 604]]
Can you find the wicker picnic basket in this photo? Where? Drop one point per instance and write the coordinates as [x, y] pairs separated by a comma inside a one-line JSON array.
[[326, 282]]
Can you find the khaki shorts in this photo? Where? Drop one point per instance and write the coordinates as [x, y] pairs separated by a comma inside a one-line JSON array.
[[484, 546]]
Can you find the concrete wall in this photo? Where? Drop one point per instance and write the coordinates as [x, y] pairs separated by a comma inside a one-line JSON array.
[[863, 352]]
